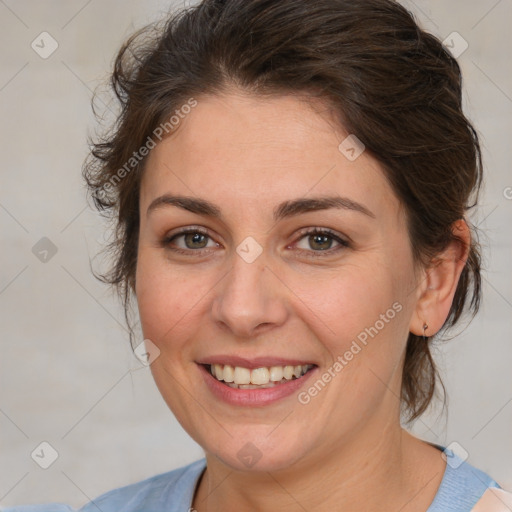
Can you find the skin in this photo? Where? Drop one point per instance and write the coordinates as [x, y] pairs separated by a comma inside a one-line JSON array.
[[345, 449]]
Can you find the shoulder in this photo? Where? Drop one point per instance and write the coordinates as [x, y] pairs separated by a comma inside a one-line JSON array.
[[50, 507], [171, 491], [462, 486]]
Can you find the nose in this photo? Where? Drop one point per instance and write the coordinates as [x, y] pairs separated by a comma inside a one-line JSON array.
[[250, 299]]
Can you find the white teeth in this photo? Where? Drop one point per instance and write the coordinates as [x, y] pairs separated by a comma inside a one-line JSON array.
[[288, 372], [218, 371], [242, 375], [229, 373], [256, 386], [276, 373], [244, 378], [260, 376]]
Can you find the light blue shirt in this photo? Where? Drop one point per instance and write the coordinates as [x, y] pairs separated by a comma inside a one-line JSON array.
[[462, 486]]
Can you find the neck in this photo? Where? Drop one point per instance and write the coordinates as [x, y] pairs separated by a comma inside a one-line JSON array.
[[357, 476]]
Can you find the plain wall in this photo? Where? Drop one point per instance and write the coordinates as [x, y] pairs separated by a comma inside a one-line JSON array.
[[67, 372]]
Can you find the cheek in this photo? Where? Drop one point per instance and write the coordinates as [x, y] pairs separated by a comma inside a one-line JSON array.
[[161, 297], [345, 302], [171, 299], [360, 321]]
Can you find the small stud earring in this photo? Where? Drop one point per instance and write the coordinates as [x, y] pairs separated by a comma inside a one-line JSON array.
[[425, 327]]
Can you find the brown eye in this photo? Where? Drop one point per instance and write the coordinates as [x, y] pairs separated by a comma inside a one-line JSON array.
[[318, 240], [191, 240], [195, 240]]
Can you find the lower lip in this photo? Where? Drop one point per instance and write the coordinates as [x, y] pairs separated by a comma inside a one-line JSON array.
[[253, 397]]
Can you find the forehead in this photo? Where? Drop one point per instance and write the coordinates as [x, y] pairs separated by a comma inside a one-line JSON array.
[[248, 148]]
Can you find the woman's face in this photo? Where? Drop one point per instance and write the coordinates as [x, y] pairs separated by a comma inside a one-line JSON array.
[[251, 287]]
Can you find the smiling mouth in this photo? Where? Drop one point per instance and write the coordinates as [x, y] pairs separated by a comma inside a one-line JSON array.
[[258, 378]]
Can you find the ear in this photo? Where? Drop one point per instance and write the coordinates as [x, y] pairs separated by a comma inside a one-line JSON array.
[[439, 282]]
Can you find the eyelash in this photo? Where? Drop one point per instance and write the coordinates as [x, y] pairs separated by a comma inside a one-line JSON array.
[[343, 244]]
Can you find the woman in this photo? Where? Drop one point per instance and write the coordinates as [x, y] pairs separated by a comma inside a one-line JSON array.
[[290, 180]]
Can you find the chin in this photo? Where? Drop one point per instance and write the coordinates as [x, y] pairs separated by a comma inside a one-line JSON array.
[[259, 453]]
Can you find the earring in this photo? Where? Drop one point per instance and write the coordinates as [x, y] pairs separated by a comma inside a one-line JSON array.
[[425, 327]]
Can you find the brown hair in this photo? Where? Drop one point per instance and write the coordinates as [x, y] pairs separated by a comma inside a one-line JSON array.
[[390, 83]]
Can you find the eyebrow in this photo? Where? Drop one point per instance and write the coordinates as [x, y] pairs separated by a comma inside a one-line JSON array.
[[284, 210]]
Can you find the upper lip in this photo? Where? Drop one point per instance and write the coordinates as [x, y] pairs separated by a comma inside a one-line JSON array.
[[256, 362]]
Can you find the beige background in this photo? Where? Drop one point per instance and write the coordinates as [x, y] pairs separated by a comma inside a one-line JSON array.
[[67, 373]]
